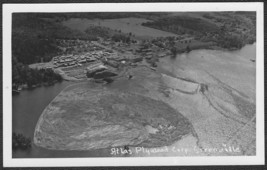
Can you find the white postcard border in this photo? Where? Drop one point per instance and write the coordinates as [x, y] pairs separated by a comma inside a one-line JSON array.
[[8, 9]]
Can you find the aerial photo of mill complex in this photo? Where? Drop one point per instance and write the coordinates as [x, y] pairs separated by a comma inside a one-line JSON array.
[[133, 84]]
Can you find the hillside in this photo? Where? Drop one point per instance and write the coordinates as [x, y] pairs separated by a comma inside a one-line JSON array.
[[228, 29]]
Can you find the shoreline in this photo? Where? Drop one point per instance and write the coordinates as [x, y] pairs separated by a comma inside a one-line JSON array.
[[25, 87], [213, 47]]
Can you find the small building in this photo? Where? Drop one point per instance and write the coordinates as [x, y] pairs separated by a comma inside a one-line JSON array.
[[137, 59], [94, 68], [82, 61], [61, 61], [71, 63], [162, 55], [48, 68], [91, 59]]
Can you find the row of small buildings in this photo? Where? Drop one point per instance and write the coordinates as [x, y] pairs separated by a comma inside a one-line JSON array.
[[72, 60]]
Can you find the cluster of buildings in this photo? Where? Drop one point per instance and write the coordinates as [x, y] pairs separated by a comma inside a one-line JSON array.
[[79, 52], [77, 46], [70, 43], [151, 51], [79, 59], [93, 53]]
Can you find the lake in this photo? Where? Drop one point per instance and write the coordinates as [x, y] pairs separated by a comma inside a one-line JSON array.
[[232, 67], [126, 25]]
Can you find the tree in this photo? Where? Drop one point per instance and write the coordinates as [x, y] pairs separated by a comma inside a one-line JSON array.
[[174, 51], [188, 48], [20, 142], [128, 40]]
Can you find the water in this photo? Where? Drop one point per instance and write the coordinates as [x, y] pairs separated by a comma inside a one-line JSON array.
[[29, 104], [126, 25], [233, 68]]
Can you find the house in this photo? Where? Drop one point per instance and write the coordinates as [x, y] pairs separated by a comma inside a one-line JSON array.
[[186, 40], [90, 59], [71, 63], [68, 60], [61, 61], [137, 59], [93, 69], [49, 68], [161, 55], [82, 61]]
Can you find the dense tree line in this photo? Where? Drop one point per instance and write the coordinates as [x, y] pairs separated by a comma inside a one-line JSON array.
[[182, 24], [20, 142], [34, 38], [231, 41], [88, 15], [102, 15], [22, 74], [98, 31], [121, 38], [236, 30]]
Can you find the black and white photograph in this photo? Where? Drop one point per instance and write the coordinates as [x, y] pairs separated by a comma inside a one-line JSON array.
[[135, 82]]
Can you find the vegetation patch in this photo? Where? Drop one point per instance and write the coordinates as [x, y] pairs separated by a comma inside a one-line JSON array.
[[20, 142], [227, 29], [179, 24]]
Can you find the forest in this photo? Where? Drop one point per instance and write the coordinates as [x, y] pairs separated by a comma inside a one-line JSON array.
[[23, 75], [20, 142], [227, 30], [182, 24], [121, 37], [102, 15], [34, 40]]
